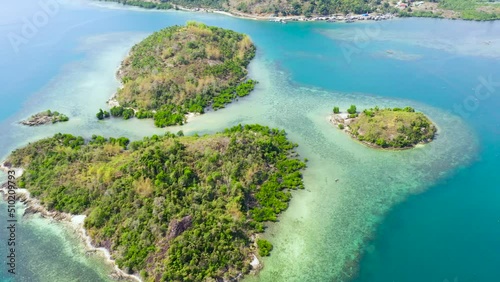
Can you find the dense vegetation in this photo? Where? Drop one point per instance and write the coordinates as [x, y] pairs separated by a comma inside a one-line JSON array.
[[473, 9], [172, 208], [390, 128], [45, 117], [184, 69], [277, 7], [465, 9], [161, 5]]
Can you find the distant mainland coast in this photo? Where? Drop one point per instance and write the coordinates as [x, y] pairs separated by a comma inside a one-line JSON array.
[[339, 11]]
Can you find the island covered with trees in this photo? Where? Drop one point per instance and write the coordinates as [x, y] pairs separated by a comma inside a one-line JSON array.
[[172, 208], [391, 128], [45, 117], [180, 70]]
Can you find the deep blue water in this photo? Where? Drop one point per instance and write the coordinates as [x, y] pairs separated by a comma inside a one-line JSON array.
[[450, 232]]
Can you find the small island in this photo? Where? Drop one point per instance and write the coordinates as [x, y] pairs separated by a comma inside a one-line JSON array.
[[182, 70], [389, 128], [46, 117], [172, 207]]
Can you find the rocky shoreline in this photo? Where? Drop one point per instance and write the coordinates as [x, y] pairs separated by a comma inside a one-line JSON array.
[[74, 222]]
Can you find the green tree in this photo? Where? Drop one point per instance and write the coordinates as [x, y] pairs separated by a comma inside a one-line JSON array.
[[100, 114], [127, 113], [352, 110], [265, 247], [117, 111]]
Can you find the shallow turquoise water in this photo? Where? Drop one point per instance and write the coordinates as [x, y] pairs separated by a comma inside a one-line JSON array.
[[376, 212]]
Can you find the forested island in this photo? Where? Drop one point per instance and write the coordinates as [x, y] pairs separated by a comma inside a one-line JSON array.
[[172, 208], [453, 9], [181, 70], [45, 117], [391, 128]]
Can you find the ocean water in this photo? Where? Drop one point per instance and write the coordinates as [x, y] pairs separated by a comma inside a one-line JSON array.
[[427, 214]]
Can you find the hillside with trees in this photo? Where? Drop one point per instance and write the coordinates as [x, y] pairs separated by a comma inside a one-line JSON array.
[[183, 69], [172, 208], [463, 9]]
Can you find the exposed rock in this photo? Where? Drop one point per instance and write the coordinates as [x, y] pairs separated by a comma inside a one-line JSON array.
[[176, 227], [255, 263]]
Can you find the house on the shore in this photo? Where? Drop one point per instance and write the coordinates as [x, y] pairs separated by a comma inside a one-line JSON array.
[[401, 5]]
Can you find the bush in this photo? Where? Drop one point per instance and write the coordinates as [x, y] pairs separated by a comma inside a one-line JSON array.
[[168, 117], [128, 113], [116, 111], [381, 142], [369, 113], [341, 126], [409, 109], [245, 88], [100, 114], [336, 110], [352, 109], [144, 114], [265, 247]]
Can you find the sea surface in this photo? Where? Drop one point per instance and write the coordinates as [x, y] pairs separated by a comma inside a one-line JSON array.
[[427, 214]]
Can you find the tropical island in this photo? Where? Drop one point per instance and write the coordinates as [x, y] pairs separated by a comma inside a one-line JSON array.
[[182, 70], [170, 208], [389, 128], [45, 117], [325, 9]]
